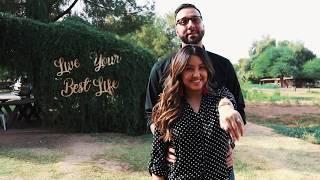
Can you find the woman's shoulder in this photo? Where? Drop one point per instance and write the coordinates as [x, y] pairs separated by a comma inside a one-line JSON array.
[[218, 92]]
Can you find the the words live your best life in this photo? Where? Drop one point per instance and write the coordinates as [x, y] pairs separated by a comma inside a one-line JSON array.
[[103, 85]]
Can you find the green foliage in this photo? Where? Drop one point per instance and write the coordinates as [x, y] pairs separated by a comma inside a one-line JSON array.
[[37, 10], [271, 59], [308, 133], [43, 10], [283, 63], [253, 93], [243, 67], [261, 64], [259, 47], [300, 126], [312, 69], [120, 17], [29, 155], [30, 46], [137, 154], [158, 37], [265, 86], [274, 62]]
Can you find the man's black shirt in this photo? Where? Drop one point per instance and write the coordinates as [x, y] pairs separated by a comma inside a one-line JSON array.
[[224, 76]]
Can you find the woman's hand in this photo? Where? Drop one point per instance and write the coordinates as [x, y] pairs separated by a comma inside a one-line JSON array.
[[230, 119]]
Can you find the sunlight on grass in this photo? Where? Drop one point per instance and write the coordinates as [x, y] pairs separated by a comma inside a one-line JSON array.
[[136, 153], [36, 156], [269, 93], [300, 126], [243, 170], [22, 161], [98, 173]]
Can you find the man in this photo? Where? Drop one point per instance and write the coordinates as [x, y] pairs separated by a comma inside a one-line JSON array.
[[190, 29]]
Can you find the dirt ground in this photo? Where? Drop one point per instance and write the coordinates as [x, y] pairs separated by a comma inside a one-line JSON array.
[[83, 147]]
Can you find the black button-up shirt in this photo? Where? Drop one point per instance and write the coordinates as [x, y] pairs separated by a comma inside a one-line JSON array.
[[200, 144]]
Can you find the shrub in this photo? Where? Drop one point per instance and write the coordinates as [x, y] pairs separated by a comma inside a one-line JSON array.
[[34, 47]]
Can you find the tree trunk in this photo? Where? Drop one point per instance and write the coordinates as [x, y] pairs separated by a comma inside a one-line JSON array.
[[281, 82], [66, 11]]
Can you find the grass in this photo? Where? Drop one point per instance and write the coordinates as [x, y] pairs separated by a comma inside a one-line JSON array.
[[134, 151], [35, 156], [27, 162], [45, 163], [306, 127], [310, 134], [269, 93], [262, 96]]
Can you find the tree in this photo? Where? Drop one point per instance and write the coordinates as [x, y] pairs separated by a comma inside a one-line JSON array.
[[159, 36], [283, 64], [43, 10], [261, 64], [244, 69], [301, 55], [259, 46], [285, 58], [120, 17], [312, 69]]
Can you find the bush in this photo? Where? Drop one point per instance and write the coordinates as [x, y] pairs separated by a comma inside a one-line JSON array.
[[37, 48], [311, 134]]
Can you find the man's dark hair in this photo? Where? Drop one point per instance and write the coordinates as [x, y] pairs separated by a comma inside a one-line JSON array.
[[183, 6]]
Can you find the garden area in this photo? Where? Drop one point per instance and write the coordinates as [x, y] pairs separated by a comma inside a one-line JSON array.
[[281, 142], [83, 114]]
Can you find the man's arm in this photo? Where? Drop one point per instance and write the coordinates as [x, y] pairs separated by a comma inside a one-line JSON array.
[[234, 86], [152, 93]]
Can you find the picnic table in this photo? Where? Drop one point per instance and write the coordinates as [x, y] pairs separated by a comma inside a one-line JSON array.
[[16, 108]]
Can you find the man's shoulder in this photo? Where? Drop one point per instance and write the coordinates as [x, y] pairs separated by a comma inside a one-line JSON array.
[[162, 63], [218, 58]]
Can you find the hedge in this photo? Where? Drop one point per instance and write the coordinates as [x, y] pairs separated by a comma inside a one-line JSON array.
[[55, 55]]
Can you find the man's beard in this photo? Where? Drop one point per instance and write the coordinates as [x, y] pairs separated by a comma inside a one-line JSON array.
[[195, 40]]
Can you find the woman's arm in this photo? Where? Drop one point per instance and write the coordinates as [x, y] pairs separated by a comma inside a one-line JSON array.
[[155, 177], [158, 166], [230, 119]]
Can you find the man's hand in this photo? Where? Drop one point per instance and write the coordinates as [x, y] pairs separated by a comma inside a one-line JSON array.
[[171, 157], [230, 157], [230, 119]]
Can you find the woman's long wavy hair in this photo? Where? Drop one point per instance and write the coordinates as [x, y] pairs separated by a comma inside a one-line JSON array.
[[169, 105]]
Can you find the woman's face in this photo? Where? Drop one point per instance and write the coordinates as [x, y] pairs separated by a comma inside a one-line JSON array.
[[194, 75]]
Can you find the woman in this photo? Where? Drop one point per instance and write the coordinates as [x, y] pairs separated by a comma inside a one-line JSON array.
[[186, 118]]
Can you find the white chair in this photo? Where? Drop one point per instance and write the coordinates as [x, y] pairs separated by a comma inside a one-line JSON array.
[[3, 118]]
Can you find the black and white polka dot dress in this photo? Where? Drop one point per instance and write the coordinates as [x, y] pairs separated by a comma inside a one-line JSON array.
[[200, 144]]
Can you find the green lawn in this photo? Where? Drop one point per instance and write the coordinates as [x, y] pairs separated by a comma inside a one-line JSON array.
[[306, 127]]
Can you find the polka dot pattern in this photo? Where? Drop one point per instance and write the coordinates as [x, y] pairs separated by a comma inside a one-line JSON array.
[[200, 144]]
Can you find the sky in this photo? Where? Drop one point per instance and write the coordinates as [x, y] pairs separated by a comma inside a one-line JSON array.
[[233, 25]]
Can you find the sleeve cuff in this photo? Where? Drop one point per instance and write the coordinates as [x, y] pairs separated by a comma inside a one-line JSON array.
[[158, 170]]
